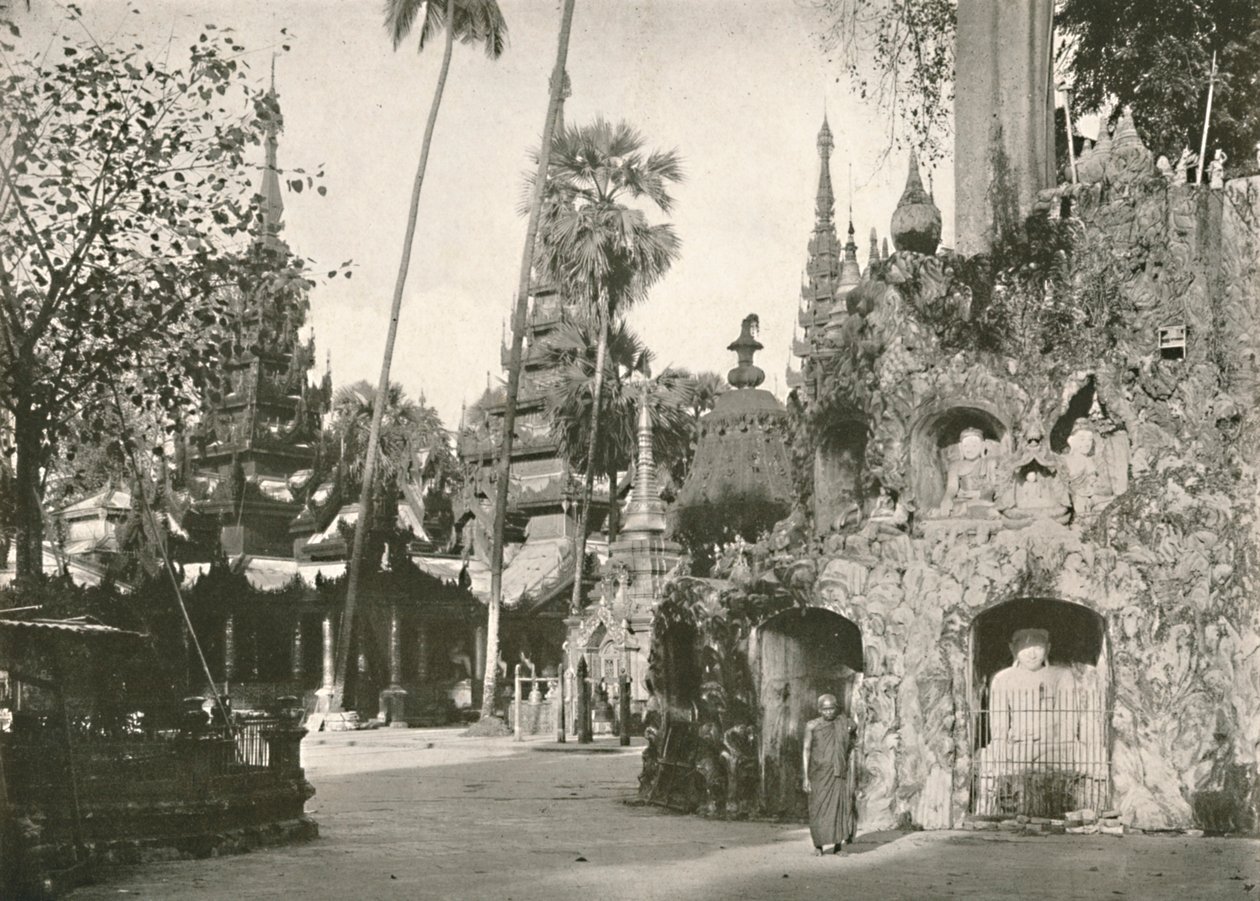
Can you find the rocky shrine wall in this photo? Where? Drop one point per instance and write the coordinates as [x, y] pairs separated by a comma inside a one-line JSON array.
[[1149, 522]]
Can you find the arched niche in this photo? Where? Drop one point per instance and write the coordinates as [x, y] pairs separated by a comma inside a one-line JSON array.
[[936, 433], [1040, 745], [797, 656], [1096, 467], [839, 467]]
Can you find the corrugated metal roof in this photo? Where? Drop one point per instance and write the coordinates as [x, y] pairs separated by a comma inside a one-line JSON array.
[[78, 625]]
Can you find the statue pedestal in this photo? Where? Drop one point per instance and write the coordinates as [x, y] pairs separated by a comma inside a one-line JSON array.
[[602, 718]]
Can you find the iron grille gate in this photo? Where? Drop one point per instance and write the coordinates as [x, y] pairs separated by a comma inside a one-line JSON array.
[[1040, 753]]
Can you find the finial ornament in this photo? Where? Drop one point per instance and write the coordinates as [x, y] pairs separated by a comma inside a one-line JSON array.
[[916, 223], [745, 374]]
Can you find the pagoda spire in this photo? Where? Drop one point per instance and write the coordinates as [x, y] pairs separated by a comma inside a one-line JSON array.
[[825, 203], [272, 198], [822, 268], [646, 512]]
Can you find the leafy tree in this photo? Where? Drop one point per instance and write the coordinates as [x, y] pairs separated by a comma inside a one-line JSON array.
[[125, 202], [473, 22], [604, 253], [572, 349], [503, 470], [413, 446], [1157, 58], [408, 428]]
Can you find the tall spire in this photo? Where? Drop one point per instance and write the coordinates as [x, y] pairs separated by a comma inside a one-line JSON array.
[[272, 198], [822, 269], [825, 204]]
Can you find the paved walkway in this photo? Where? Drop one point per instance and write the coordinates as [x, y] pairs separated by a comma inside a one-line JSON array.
[[428, 814]]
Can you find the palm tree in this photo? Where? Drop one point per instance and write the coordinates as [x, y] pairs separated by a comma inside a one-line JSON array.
[[603, 252], [407, 426], [473, 22], [570, 350], [504, 467]]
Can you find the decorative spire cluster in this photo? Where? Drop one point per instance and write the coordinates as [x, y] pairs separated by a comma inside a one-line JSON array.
[[831, 272]]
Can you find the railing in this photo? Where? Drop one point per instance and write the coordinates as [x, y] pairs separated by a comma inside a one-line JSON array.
[[38, 755], [253, 741], [1040, 753]]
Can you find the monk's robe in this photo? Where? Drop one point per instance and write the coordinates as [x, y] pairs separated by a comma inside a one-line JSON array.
[[831, 817]]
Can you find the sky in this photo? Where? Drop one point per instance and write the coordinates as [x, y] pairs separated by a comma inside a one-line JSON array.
[[737, 87]]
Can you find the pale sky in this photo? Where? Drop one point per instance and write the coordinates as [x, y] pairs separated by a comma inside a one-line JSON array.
[[738, 87]]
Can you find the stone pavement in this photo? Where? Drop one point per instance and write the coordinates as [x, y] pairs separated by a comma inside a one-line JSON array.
[[429, 814]]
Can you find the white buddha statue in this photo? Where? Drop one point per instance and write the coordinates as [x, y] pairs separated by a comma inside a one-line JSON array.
[[1030, 706]]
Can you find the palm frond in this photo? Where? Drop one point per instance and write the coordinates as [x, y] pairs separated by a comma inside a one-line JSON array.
[[474, 22]]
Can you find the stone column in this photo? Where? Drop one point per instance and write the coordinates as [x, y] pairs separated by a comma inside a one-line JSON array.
[[295, 651], [1003, 116], [479, 656], [394, 698], [229, 649], [422, 652]]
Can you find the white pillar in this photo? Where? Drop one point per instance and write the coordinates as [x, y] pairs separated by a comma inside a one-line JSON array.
[[328, 665]]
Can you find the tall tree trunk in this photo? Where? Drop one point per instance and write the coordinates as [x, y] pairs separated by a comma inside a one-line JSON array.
[[588, 490], [346, 645], [503, 470], [29, 559], [614, 505]]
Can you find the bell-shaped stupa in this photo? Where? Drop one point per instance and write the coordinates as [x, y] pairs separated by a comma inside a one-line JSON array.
[[741, 479]]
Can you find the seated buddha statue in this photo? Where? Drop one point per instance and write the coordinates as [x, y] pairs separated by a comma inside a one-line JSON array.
[[971, 482]]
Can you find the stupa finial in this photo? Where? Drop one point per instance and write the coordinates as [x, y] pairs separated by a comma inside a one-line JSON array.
[[746, 374]]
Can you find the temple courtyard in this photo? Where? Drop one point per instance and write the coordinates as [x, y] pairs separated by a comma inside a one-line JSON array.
[[429, 813]]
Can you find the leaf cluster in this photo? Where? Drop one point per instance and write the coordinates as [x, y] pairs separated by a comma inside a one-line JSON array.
[[592, 241]]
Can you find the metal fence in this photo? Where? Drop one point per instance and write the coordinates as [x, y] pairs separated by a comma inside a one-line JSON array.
[[1040, 753]]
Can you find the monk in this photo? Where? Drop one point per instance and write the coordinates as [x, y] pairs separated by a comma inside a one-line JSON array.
[[829, 739]]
